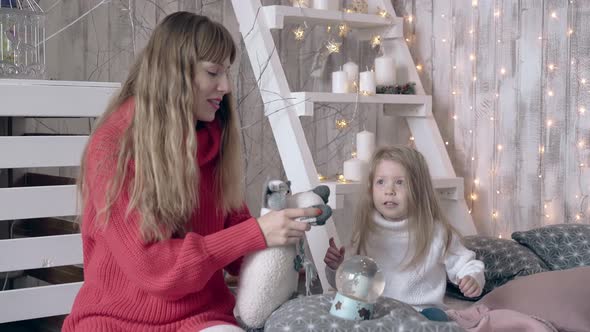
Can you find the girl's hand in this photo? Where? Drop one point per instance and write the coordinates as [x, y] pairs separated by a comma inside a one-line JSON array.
[[334, 256], [279, 227], [469, 287]]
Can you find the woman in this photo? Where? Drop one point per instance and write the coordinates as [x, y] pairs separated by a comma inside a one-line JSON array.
[[163, 212]]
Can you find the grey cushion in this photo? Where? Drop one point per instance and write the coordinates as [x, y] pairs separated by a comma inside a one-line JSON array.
[[312, 313], [504, 259], [561, 247]]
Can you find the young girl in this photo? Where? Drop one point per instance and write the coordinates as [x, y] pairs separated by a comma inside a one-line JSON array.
[[401, 225], [160, 182]]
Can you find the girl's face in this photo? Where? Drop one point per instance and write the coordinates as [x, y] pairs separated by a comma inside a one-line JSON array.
[[212, 83], [390, 190]]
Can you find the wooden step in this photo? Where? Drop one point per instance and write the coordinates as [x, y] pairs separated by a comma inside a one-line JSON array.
[[401, 105], [450, 188], [277, 16]]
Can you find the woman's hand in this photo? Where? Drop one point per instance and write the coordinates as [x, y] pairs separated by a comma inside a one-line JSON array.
[[334, 256], [279, 227], [469, 287]]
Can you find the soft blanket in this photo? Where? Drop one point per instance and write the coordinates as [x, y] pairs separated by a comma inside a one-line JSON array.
[[479, 318]]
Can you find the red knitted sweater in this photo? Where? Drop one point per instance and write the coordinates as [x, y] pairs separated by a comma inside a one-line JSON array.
[[171, 285]]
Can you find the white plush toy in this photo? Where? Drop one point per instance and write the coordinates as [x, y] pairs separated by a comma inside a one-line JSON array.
[[269, 278]]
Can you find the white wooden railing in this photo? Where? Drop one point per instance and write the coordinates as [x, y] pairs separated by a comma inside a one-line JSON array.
[[55, 99]]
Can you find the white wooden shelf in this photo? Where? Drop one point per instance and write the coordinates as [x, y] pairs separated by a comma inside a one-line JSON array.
[[403, 105], [38, 202], [37, 302], [46, 98], [49, 151], [256, 22], [41, 252], [450, 188], [277, 16]]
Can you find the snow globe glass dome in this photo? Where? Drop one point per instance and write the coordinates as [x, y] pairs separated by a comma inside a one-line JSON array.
[[360, 282]]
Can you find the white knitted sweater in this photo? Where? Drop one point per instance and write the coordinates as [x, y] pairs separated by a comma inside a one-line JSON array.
[[424, 285]]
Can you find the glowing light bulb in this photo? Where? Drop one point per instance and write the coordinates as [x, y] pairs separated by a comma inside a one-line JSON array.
[[299, 33]]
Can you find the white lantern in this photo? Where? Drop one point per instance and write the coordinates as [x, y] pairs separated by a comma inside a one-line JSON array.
[[22, 35]]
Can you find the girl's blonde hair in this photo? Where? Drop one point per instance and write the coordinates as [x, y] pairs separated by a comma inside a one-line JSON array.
[[424, 210], [161, 139]]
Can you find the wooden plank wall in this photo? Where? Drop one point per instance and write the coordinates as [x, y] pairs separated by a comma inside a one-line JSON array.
[[535, 178], [508, 86]]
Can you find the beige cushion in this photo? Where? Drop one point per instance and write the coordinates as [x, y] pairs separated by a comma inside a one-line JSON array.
[[560, 297]]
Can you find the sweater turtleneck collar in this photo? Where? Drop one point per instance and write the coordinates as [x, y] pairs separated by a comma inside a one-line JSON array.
[[394, 226]]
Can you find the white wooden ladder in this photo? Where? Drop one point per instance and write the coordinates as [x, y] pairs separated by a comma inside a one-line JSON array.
[[283, 107]]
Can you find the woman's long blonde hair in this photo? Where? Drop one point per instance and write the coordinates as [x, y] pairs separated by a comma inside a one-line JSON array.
[[424, 210], [161, 140]]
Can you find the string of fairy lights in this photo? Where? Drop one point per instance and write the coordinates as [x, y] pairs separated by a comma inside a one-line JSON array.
[[495, 184], [495, 193], [581, 194], [473, 32]]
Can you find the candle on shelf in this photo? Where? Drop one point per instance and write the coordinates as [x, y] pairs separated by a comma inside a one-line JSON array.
[[354, 169], [339, 82], [385, 70], [301, 3], [367, 83], [341, 178], [326, 4], [365, 145], [373, 7], [352, 71]]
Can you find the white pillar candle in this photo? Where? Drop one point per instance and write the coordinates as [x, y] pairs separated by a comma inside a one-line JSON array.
[[339, 82], [384, 70], [373, 7], [365, 145], [352, 71], [326, 4], [354, 169], [367, 82], [301, 3]]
